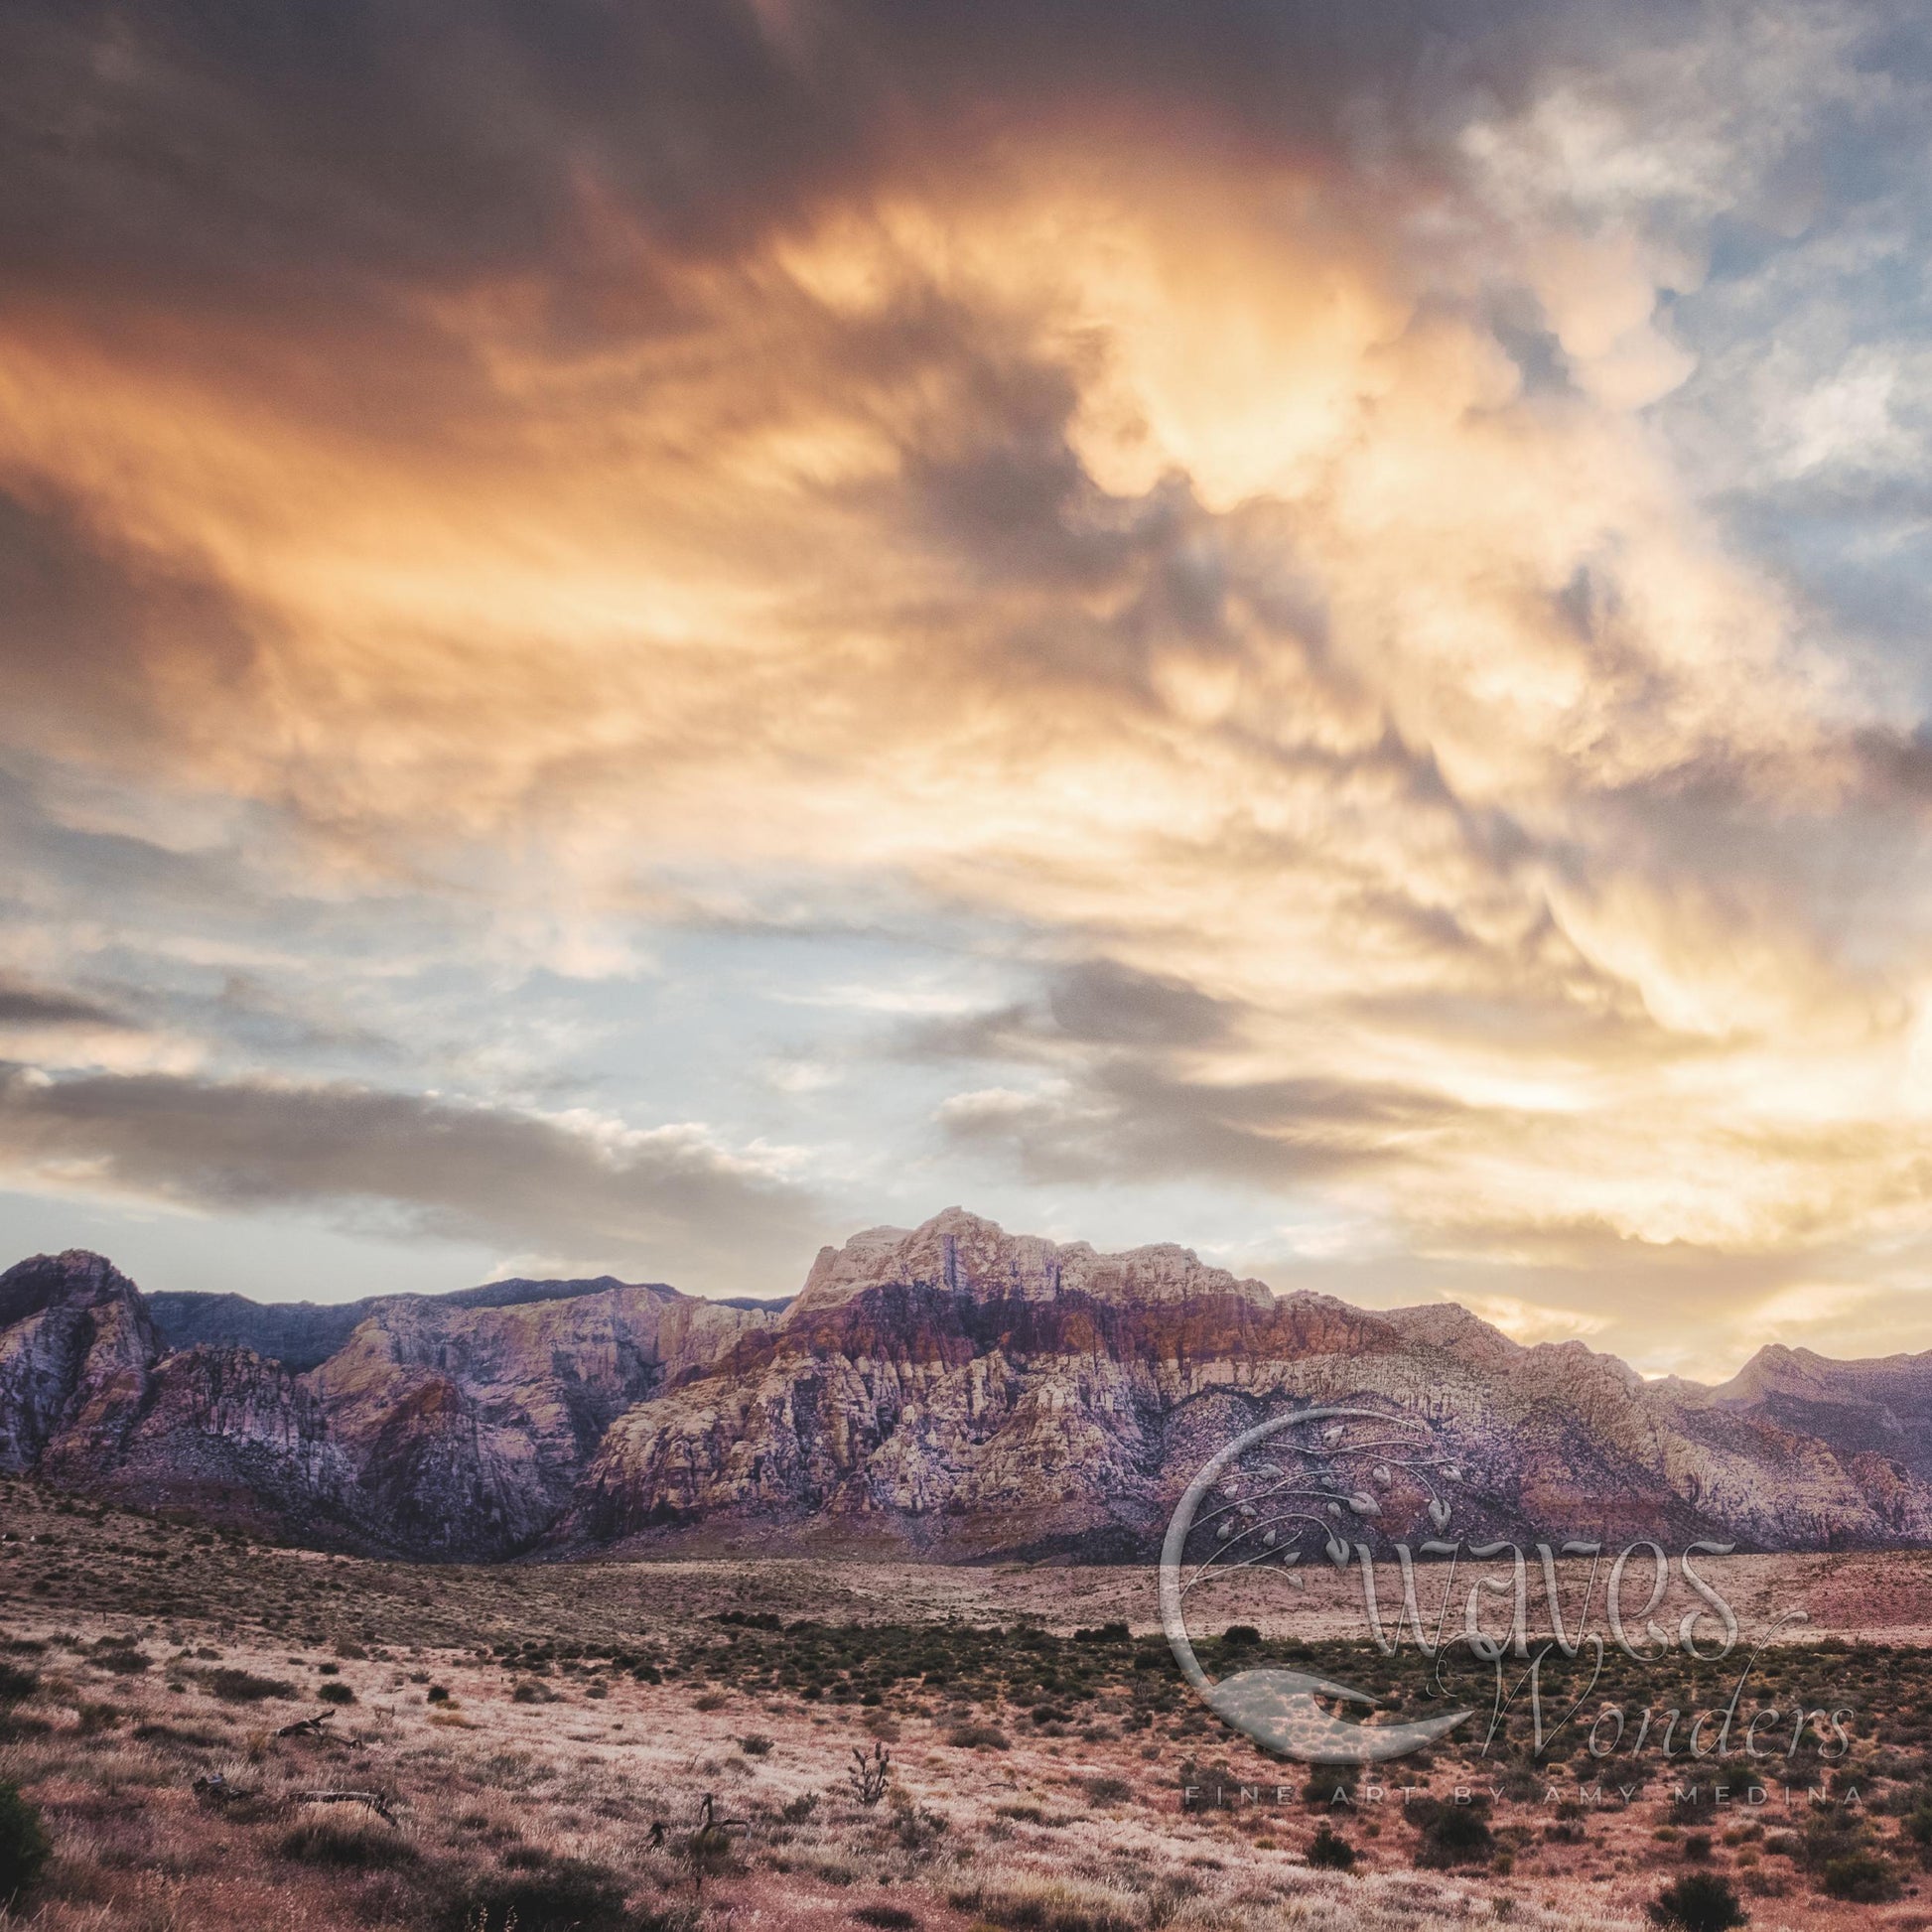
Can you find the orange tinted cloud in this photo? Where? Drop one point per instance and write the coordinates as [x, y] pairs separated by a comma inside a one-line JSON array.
[[1128, 522]]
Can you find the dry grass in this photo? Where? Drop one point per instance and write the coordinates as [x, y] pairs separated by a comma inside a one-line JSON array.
[[618, 1788]]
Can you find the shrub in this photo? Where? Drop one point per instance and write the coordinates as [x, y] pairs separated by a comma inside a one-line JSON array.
[[337, 1692], [1831, 1834], [1455, 1835], [869, 1776], [1037, 1904], [233, 1685], [572, 1895], [755, 1746], [23, 1844], [1330, 1852], [1330, 1782], [350, 1843], [17, 1684], [438, 1694], [800, 1808], [914, 1826], [1862, 1877], [1701, 1901], [888, 1918], [531, 1692], [1239, 1636], [1108, 1791], [979, 1738], [1918, 1824]]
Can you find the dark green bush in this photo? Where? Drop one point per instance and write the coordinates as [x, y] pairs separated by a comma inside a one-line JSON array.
[[337, 1692], [1330, 1852], [245, 1686], [23, 1844], [17, 1684], [1862, 1877], [1329, 1783], [1455, 1835], [1701, 1901], [979, 1738], [888, 1918]]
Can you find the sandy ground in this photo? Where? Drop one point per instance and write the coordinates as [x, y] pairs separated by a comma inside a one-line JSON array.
[[173, 1808]]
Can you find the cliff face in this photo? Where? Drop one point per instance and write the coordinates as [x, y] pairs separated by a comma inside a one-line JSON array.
[[949, 1390], [76, 1350], [444, 1427], [966, 1394]]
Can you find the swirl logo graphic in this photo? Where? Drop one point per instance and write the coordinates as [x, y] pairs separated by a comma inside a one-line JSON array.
[[1326, 1483]]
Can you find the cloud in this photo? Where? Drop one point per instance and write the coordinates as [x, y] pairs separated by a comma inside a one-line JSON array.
[[1123, 1119], [1271, 534], [35, 1007], [668, 1198]]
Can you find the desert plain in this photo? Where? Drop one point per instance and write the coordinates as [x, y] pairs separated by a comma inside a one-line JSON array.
[[221, 1734]]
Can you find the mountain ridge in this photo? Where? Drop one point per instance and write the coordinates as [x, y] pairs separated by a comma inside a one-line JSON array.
[[949, 1390]]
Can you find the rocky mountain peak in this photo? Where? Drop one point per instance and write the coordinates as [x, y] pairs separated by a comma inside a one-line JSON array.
[[967, 1254], [1452, 1329], [1776, 1370], [77, 1278], [75, 1349]]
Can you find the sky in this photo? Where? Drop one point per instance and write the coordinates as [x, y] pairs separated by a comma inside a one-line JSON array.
[[636, 636]]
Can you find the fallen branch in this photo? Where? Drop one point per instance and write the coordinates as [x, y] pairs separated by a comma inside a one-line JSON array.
[[375, 1800], [306, 1727]]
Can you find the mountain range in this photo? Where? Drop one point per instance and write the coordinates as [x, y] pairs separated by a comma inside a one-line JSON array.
[[951, 1392]]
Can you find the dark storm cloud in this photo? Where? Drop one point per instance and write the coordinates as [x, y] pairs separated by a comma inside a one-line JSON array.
[[1129, 1102], [1128, 1118], [417, 1163], [21, 1005], [295, 151]]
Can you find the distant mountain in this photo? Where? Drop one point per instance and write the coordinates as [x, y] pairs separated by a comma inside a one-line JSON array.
[[441, 1426], [950, 1391], [302, 1334]]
